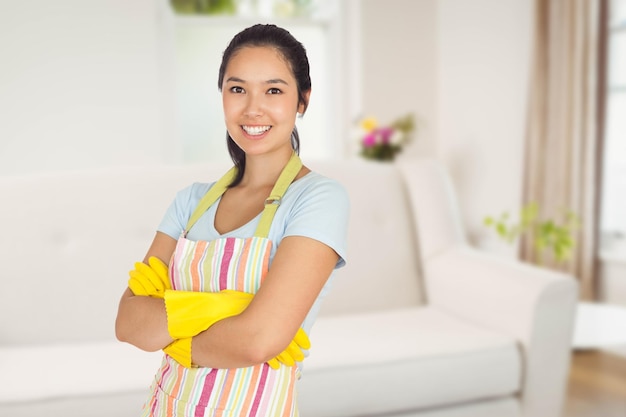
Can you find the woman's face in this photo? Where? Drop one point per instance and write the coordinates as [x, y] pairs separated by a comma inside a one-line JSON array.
[[260, 99]]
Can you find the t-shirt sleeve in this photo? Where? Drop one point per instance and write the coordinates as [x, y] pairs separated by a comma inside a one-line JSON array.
[[178, 213], [321, 213]]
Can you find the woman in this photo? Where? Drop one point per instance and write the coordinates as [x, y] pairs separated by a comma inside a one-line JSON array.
[[250, 255]]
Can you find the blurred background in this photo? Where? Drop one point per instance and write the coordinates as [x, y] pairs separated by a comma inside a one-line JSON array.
[[93, 84], [88, 85]]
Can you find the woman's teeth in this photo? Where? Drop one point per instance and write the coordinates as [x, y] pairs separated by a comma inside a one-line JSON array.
[[256, 130]]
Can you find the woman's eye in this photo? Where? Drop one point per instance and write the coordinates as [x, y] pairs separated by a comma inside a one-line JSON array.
[[237, 90], [274, 91]]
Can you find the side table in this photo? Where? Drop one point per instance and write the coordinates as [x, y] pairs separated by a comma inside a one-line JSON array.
[[599, 325]]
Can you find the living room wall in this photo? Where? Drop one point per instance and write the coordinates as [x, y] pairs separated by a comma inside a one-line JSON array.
[[400, 67], [484, 63], [462, 67], [79, 87]]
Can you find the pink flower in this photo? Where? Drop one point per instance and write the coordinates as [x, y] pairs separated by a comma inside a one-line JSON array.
[[369, 140], [385, 134], [378, 136]]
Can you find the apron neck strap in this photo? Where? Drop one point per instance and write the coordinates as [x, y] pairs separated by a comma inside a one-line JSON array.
[[288, 174], [211, 197]]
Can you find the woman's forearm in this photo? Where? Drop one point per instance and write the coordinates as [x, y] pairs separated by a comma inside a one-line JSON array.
[[142, 322], [236, 342], [275, 314]]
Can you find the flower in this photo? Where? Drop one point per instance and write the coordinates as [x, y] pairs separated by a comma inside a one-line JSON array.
[[369, 123], [382, 143]]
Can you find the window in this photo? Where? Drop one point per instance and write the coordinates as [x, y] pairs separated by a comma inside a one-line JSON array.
[[613, 216]]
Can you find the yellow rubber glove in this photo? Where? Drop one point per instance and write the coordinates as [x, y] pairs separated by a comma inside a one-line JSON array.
[[152, 280], [189, 313], [149, 280], [294, 351], [180, 351]]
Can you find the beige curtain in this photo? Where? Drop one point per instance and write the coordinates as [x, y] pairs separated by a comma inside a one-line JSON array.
[[565, 129]]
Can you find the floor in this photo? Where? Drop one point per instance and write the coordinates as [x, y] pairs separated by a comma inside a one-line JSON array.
[[597, 385]]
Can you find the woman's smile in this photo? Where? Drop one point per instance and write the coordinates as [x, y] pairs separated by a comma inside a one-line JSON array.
[[256, 131]]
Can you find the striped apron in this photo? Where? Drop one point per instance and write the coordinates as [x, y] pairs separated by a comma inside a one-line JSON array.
[[226, 263]]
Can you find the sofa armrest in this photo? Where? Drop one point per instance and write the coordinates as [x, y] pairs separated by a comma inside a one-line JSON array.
[[534, 305]]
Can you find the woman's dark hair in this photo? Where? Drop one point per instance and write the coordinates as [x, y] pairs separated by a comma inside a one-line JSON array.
[[295, 55]]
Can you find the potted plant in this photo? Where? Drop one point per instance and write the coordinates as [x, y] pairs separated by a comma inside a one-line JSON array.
[[383, 143], [552, 238], [204, 6]]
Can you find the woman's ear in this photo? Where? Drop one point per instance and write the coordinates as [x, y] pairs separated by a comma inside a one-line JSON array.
[[303, 105]]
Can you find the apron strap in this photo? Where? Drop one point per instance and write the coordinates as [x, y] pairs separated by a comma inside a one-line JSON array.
[[272, 202], [285, 179], [211, 197]]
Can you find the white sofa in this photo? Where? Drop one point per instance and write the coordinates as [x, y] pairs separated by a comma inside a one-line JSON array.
[[418, 324]]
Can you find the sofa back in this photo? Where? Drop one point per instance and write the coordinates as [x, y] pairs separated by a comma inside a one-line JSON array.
[[68, 240], [383, 261], [67, 243], [435, 207]]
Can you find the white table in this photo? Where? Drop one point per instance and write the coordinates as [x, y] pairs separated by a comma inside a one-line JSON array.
[[599, 325]]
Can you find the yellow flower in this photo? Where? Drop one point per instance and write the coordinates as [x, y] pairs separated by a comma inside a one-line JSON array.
[[369, 124]]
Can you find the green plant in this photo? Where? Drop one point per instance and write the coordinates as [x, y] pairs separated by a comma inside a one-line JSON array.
[[204, 6], [550, 237]]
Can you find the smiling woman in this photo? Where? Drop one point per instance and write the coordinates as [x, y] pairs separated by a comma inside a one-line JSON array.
[[250, 255], [262, 93]]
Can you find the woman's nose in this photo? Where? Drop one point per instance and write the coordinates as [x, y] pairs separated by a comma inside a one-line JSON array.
[[254, 106]]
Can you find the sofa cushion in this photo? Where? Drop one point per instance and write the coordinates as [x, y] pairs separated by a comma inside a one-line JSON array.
[[427, 356], [120, 404], [38, 372]]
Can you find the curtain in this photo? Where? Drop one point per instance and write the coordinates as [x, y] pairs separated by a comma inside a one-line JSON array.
[[562, 167]]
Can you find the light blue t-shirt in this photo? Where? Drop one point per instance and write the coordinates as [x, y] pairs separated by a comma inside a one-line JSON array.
[[313, 206]]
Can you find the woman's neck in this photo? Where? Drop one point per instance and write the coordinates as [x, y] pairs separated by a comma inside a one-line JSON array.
[[264, 170]]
